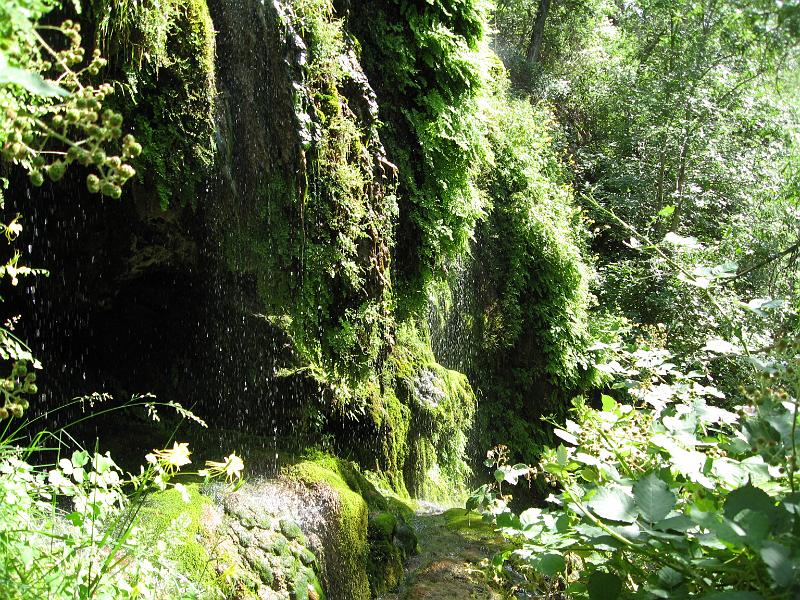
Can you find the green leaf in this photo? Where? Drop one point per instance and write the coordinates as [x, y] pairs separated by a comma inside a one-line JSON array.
[[566, 436], [75, 518], [530, 516], [499, 559], [614, 504], [563, 523], [604, 586], [669, 577], [508, 520], [723, 531], [751, 497], [551, 564], [575, 588], [609, 404], [29, 81], [80, 458], [511, 474], [757, 526], [653, 499], [479, 497], [666, 211], [779, 564], [680, 523], [562, 455]]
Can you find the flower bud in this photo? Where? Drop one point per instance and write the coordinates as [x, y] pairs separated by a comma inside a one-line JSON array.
[[93, 183]]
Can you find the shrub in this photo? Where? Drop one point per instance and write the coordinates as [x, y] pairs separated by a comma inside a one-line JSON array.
[[70, 528]]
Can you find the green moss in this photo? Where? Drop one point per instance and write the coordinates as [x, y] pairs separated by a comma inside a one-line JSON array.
[[392, 421], [262, 568], [381, 526], [321, 467], [164, 56], [292, 531], [351, 516], [385, 567], [400, 507], [441, 406], [158, 516], [366, 546]]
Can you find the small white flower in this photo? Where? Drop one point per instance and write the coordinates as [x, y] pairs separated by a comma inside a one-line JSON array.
[[181, 489]]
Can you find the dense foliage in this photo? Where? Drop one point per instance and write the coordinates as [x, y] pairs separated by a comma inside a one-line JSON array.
[[520, 302], [668, 495], [445, 248], [429, 62], [680, 121]]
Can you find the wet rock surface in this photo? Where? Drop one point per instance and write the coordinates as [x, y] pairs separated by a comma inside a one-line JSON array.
[[260, 544]]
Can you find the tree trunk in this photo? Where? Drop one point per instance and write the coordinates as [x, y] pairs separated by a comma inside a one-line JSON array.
[[535, 47]]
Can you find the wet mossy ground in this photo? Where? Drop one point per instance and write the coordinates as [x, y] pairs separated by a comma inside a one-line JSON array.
[[455, 548]]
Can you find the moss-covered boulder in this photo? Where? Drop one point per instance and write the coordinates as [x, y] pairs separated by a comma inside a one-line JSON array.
[[382, 525], [232, 549], [391, 542], [367, 541], [338, 487]]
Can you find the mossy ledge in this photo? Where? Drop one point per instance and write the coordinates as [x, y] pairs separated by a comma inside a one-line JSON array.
[[320, 529], [361, 559]]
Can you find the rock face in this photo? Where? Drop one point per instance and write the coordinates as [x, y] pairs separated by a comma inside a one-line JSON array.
[[271, 553], [249, 267]]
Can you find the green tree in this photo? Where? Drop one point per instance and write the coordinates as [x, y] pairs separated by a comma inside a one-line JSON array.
[[681, 119]]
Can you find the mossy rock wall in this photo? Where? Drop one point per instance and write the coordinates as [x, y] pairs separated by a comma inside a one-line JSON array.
[[321, 529], [162, 56], [518, 309], [333, 159], [312, 225], [365, 538], [344, 539], [418, 423], [313, 230]]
